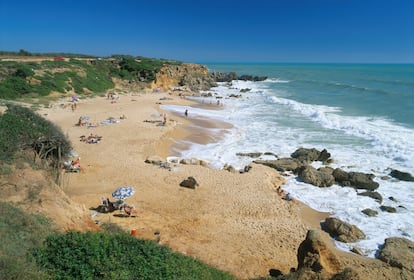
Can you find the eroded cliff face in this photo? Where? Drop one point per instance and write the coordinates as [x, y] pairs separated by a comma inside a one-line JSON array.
[[186, 77]]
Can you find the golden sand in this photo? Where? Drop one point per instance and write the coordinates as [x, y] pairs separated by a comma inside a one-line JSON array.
[[235, 222]]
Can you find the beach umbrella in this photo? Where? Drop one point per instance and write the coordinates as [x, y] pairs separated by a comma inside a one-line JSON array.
[[123, 192]]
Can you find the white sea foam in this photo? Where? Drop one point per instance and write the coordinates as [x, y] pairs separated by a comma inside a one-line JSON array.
[[266, 121]]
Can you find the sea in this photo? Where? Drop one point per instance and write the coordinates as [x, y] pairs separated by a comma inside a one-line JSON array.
[[362, 114]]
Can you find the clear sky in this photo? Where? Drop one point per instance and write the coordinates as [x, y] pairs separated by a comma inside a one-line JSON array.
[[215, 31]]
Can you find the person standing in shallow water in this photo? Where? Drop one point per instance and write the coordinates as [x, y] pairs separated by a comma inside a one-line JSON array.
[[186, 113]]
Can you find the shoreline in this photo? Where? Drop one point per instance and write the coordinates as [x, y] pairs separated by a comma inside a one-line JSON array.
[[235, 222]]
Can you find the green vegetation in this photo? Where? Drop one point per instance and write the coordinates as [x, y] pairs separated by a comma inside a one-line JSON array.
[[81, 73], [20, 233], [21, 130], [117, 256], [32, 249]]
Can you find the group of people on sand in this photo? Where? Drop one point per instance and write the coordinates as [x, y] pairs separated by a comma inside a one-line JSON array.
[[108, 206], [72, 165], [285, 195], [91, 139]]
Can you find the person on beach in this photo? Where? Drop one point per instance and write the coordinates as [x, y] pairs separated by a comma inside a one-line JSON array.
[[165, 120], [186, 113], [288, 197], [280, 191]]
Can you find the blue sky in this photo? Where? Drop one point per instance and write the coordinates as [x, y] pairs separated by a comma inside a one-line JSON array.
[[215, 31]]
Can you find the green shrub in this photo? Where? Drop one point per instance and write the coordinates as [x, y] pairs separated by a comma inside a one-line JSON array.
[[117, 256], [20, 233], [22, 129], [14, 87]]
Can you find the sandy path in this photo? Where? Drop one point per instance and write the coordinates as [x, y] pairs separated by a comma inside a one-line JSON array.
[[235, 222]]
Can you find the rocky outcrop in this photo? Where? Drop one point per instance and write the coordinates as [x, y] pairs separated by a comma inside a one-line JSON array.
[[398, 252], [193, 78], [356, 180], [309, 155], [343, 231], [375, 195], [314, 253], [403, 176], [281, 165], [315, 177]]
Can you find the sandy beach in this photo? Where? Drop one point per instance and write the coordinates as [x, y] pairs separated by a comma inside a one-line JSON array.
[[235, 222]]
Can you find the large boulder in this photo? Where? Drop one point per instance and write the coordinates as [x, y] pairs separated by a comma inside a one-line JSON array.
[[403, 176], [375, 195], [281, 165], [314, 253], [306, 155], [356, 180], [343, 231], [398, 252], [315, 177]]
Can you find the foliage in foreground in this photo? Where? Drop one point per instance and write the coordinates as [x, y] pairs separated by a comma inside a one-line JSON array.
[[117, 256], [19, 234], [30, 248], [23, 129]]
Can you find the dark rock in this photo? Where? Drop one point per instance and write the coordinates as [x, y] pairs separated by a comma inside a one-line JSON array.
[[306, 155], [190, 183], [356, 180], [343, 231], [324, 155], [374, 195], [317, 178], [392, 199], [252, 155], [156, 160], [281, 165], [252, 78], [369, 212], [388, 209], [340, 175], [398, 252], [275, 272], [403, 176], [245, 89]]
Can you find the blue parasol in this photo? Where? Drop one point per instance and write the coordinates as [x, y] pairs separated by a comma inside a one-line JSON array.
[[123, 192]]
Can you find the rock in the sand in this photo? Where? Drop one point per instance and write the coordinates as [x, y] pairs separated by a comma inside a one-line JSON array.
[[398, 252], [403, 176], [156, 160], [343, 231], [229, 168], [190, 183], [317, 178], [314, 253]]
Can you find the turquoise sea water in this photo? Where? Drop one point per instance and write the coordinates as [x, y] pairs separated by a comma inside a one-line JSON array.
[[362, 114]]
